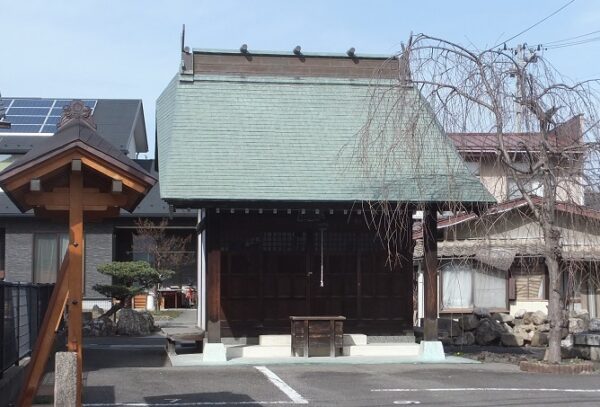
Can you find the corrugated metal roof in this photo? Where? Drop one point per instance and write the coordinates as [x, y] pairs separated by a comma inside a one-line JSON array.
[[248, 138]]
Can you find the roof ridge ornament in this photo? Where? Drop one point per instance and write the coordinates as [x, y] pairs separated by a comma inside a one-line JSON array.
[[77, 110]]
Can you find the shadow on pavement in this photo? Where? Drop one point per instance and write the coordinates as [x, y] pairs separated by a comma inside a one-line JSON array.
[[218, 397], [96, 393]]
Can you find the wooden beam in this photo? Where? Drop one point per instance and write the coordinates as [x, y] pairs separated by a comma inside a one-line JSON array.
[[103, 169], [60, 200], [75, 276], [430, 271], [38, 172], [45, 340]]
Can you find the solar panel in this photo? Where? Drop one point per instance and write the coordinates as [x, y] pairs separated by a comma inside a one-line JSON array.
[[28, 115]]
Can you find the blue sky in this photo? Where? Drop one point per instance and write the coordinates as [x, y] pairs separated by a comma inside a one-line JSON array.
[[130, 49]]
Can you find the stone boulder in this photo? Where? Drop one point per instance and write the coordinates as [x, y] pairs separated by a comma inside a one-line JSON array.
[[567, 342], [577, 325], [97, 312], [133, 323], [466, 339], [539, 339], [539, 318], [468, 322], [482, 312], [450, 326], [488, 331], [543, 327], [102, 326], [504, 318], [511, 339], [594, 325], [520, 313]]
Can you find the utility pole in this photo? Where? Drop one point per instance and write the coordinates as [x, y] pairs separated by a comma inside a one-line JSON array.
[[523, 56]]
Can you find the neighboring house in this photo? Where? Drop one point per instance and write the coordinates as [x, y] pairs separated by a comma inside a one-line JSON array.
[[495, 260], [31, 248], [255, 140]]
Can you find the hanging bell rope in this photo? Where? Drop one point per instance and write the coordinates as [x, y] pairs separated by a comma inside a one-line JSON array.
[[322, 233]]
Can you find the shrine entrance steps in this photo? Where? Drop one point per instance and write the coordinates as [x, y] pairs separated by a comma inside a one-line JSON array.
[[279, 346]]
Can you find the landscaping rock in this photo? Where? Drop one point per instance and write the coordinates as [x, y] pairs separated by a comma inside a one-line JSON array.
[[520, 313], [567, 342], [505, 318], [539, 318], [97, 312], [539, 339], [450, 326], [133, 323], [527, 318], [510, 339], [507, 327], [543, 328], [594, 325], [488, 331], [576, 325], [482, 312], [468, 322], [466, 339], [102, 326]]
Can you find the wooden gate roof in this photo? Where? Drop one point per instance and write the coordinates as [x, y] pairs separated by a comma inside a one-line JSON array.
[[76, 139]]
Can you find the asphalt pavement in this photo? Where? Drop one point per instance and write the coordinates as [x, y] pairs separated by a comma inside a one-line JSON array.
[[135, 372]]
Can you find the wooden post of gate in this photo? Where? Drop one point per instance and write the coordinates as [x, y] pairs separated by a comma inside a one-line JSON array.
[[75, 279]]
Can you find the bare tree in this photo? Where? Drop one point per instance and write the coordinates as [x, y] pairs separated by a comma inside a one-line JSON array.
[[544, 131], [166, 252]]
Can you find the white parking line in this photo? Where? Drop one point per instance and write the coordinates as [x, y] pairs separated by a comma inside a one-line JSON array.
[[281, 385], [490, 389]]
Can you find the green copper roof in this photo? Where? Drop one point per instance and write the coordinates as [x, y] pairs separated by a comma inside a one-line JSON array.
[[295, 139]]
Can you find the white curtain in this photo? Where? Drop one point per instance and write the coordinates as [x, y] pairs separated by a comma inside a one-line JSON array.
[[490, 288], [457, 286], [45, 261]]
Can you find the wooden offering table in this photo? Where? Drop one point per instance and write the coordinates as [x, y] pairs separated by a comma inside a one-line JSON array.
[[314, 332]]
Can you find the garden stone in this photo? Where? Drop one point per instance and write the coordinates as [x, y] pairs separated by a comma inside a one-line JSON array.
[[488, 331], [543, 328], [576, 325], [482, 312], [539, 339], [97, 312], [520, 313], [133, 323], [102, 326], [468, 322], [511, 339], [505, 318], [527, 318], [567, 342], [594, 325], [539, 318], [466, 339]]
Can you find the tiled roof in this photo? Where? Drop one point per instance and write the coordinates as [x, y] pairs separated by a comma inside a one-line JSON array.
[[568, 134], [277, 138]]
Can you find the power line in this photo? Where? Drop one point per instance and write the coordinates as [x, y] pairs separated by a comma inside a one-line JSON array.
[[572, 38], [536, 24]]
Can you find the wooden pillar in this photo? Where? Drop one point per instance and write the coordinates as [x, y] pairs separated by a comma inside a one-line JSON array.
[[75, 273], [213, 283], [430, 267]]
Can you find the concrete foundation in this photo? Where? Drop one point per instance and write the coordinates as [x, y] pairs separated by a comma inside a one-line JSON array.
[[431, 351], [214, 353], [65, 379]]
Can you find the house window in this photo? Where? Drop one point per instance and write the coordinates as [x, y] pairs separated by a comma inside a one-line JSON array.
[[530, 287], [49, 249], [473, 167], [467, 286], [533, 187]]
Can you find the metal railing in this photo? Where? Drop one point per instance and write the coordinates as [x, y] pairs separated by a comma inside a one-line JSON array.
[[22, 308]]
